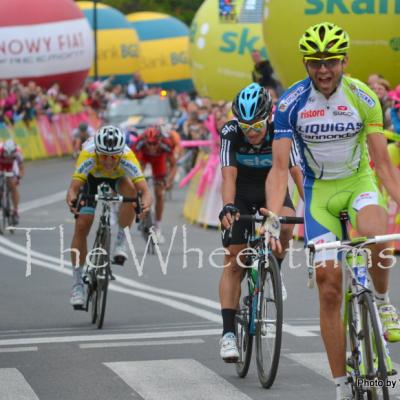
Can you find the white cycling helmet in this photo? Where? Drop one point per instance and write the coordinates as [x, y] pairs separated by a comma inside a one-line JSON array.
[[9, 148], [109, 139]]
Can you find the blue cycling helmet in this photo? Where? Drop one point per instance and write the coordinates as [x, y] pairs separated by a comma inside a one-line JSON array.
[[253, 102]]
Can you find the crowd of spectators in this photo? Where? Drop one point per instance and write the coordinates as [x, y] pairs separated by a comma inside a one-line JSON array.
[[389, 99]]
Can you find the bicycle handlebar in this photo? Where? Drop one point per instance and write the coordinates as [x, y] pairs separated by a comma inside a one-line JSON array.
[[353, 243], [282, 220], [115, 198]]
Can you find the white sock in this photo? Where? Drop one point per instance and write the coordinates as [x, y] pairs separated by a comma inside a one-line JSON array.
[[342, 387], [77, 275], [120, 234], [157, 225], [382, 298]]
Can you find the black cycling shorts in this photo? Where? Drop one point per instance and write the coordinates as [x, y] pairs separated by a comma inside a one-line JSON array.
[[88, 206], [246, 200]]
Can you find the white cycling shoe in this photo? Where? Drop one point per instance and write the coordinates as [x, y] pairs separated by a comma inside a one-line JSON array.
[[229, 351], [77, 299]]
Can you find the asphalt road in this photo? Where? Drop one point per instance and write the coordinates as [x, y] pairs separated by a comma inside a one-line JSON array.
[[162, 327]]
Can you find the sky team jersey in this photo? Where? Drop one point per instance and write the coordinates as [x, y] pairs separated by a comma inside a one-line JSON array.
[[252, 162], [88, 163], [330, 133]]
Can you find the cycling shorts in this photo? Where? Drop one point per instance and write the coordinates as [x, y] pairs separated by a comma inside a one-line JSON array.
[[325, 199], [247, 200]]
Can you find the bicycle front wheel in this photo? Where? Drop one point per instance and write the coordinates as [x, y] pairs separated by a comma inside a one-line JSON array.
[[269, 322], [244, 339], [373, 343], [102, 278]]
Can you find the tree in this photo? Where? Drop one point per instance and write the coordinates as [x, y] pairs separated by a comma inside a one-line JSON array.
[[181, 9]]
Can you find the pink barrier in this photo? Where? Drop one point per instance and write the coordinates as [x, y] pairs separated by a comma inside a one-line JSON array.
[[62, 129], [196, 143], [48, 136]]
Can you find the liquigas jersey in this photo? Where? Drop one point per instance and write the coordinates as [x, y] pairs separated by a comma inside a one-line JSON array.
[[330, 133]]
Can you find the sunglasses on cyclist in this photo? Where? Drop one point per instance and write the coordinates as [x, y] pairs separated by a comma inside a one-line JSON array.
[[257, 126], [108, 156], [328, 62]]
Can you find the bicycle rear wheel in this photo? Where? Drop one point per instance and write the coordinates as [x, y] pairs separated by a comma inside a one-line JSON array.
[[269, 322], [102, 278], [244, 339], [375, 365]]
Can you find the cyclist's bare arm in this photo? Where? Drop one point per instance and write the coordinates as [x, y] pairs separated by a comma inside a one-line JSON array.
[[172, 171], [72, 193], [147, 199], [228, 189], [387, 173], [21, 172], [277, 180], [297, 177]]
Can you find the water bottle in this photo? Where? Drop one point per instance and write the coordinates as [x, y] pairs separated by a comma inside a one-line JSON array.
[[253, 276], [360, 271]]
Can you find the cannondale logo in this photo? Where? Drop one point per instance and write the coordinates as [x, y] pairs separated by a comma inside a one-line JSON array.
[[201, 41]]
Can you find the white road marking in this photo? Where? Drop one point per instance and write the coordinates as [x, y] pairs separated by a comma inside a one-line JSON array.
[[301, 330], [145, 291], [105, 337], [175, 380], [140, 343], [318, 363], [14, 386], [18, 349], [43, 201]]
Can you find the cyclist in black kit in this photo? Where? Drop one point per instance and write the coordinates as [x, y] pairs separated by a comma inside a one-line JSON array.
[[246, 159]]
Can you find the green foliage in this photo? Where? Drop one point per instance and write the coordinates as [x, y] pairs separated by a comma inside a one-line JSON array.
[[182, 9]]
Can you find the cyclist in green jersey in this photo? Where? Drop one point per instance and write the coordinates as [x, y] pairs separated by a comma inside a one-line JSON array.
[[336, 122]]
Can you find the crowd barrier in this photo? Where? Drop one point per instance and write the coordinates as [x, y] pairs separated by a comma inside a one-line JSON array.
[[46, 136]]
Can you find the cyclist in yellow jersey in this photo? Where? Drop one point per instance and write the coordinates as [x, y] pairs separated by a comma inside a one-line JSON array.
[[105, 158], [337, 124]]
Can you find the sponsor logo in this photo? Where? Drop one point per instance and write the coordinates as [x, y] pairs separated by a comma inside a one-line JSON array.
[[311, 99], [260, 161], [342, 108], [312, 114], [365, 98], [341, 113], [282, 107], [292, 97], [362, 95], [228, 128], [86, 166], [330, 128]]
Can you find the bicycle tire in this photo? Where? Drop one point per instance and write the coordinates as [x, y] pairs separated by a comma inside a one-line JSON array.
[[3, 210], [244, 340], [354, 360], [373, 347], [92, 290], [10, 221], [271, 286], [102, 278]]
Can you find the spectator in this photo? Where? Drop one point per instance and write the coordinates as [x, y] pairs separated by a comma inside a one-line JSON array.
[[263, 73], [394, 95], [381, 88], [137, 89], [373, 78]]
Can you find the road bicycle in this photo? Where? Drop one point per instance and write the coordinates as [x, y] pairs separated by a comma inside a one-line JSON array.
[[98, 273], [7, 220], [260, 313], [368, 362]]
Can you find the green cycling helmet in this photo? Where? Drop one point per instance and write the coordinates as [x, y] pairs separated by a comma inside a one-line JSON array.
[[324, 38]]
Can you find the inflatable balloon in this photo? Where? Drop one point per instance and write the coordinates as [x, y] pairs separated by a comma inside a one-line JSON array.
[[117, 42], [164, 47], [45, 41], [220, 49], [373, 27]]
